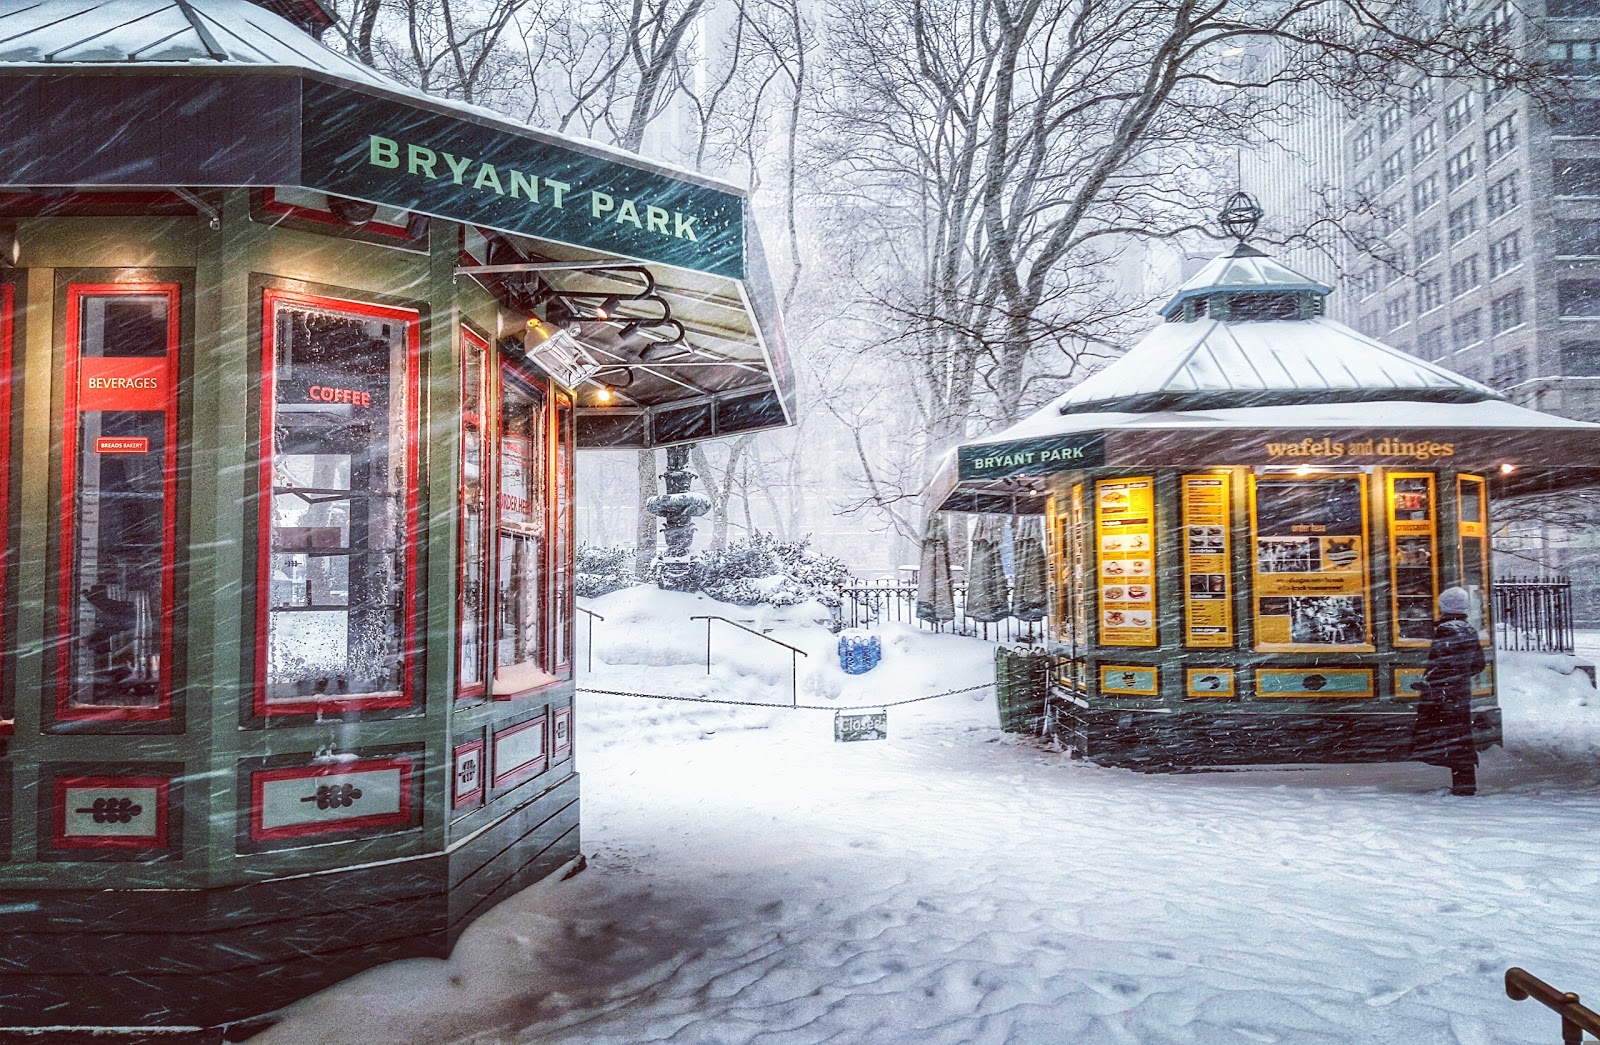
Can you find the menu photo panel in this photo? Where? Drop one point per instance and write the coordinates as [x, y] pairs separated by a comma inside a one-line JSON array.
[[1207, 562], [1311, 562], [1125, 527], [1413, 556]]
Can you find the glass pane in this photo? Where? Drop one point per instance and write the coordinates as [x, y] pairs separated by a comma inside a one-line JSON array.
[[1310, 562], [561, 641], [121, 503], [335, 615], [472, 653], [520, 662]]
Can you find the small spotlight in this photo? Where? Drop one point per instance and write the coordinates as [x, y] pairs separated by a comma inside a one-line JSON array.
[[1304, 469], [602, 394], [1507, 468], [607, 309]]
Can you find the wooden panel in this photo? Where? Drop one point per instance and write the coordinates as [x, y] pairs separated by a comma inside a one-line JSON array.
[[484, 847]]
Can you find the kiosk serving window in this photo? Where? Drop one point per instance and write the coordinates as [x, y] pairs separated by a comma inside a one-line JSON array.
[[338, 513], [522, 654], [472, 651], [119, 492], [565, 502], [1310, 562], [1472, 497], [1413, 556]]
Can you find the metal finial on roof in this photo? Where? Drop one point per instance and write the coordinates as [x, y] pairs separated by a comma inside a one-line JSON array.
[[1240, 216]]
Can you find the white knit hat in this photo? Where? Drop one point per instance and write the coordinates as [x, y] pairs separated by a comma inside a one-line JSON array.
[[1453, 600]]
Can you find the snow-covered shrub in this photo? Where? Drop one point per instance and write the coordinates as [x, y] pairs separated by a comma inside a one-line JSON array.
[[603, 570], [761, 569]]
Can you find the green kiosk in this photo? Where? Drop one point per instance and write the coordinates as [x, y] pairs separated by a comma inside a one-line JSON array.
[[294, 362], [1251, 514]]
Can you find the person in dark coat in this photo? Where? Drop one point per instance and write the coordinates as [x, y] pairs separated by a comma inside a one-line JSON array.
[[1442, 735]]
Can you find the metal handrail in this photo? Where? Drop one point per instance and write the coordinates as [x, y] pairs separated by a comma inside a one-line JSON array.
[[794, 662], [589, 656], [1575, 1018]]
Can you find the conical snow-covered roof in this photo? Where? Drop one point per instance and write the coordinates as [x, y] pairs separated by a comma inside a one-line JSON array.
[[61, 32], [1203, 359]]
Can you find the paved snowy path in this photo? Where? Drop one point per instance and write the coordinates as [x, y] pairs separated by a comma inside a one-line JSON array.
[[949, 886]]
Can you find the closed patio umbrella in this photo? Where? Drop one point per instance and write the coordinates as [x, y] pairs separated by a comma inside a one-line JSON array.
[[1030, 592], [986, 578], [936, 600]]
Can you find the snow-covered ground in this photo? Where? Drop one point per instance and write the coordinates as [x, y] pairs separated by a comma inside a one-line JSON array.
[[752, 881]]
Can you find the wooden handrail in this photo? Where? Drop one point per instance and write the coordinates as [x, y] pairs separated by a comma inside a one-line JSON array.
[[1575, 1017]]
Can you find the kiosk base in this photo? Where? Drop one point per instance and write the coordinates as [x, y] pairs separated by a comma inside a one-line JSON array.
[[1162, 742], [157, 963]]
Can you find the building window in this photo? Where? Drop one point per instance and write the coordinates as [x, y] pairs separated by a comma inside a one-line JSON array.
[[1573, 8], [1459, 169], [1575, 117], [1580, 359], [1577, 238], [1425, 193], [1458, 114], [1576, 176], [1467, 328], [1393, 169], [1500, 22], [1430, 293], [335, 593], [1430, 343], [1505, 312], [1427, 243], [1397, 311], [472, 610], [1578, 298], [1361, 146], [1503, 197], [1463, 221], [1505, 254], [1510, 368], [1364, 187], [1394, 266], [119, 490], [1501, 139], [1464, 275], [1388, 122], [1574, 57], [1424, 143]]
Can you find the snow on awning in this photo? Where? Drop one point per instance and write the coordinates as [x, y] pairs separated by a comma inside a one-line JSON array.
[[221, 93], [994, 473]]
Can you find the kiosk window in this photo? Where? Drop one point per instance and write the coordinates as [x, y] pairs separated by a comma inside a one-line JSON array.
[[119, 492], [522, 538], [472, 651], [338, 506], [7, 712], [565, 500], [1413, 556], [1473, 501], [1310, 537]]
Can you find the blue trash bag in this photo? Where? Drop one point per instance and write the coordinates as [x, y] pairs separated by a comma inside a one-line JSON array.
[[859, 653]]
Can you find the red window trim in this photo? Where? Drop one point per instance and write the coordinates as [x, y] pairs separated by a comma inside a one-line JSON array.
[[260, 778], [64, 711], [524, 770], [412, 319], [58, 833], [543, 386], [7, 305], [270, 203], [489, 407], [473, 798]]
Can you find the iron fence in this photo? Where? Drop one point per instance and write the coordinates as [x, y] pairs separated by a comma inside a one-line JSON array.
[[1534, 613], [864, 603]]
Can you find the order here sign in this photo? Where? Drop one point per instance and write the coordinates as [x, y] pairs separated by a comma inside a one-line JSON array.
[[122, 383]]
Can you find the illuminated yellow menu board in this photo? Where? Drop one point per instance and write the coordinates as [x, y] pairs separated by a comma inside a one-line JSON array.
[[1310, 565], [1473, 522], [1207, 602], [1413, 556], [1125, 525]]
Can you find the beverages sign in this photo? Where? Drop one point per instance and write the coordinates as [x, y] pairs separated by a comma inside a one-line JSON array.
[[122, 383]]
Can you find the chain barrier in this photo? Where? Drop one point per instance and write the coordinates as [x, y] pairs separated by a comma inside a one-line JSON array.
[[786, 707]]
